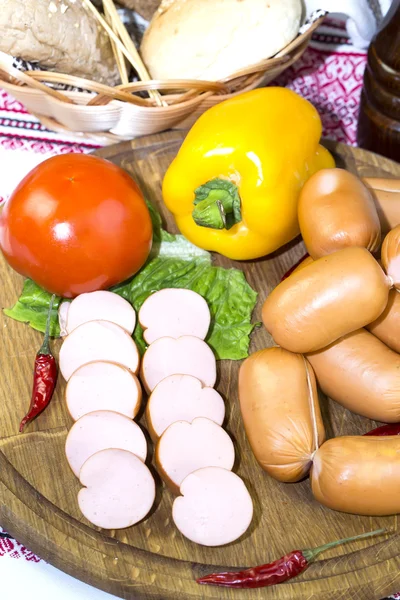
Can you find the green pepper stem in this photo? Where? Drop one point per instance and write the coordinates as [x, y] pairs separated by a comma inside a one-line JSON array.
[[210, 213], [45, 347], [311, 554], [217, 204]]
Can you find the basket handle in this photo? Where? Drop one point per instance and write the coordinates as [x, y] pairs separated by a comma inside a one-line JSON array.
[[132, 55], [195, 87], [87, 84], [119, 57]]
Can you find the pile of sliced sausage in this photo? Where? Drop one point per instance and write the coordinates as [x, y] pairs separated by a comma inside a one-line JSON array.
[[107, 450], [336, 319]]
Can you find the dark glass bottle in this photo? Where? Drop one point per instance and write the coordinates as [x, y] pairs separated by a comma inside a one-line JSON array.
[[379, 120]]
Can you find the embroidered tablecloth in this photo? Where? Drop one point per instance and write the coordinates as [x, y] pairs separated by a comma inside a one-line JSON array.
[[329, 74]]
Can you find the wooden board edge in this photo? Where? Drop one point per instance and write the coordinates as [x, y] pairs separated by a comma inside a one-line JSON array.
[[172, 575]]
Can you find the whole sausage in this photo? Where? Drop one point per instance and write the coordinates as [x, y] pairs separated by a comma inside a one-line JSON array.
[[362, 374], [358, 475], [390, 255], [336, 210], [303, 262], [387, 326], [386, 195], [332, 296], [280, 410]]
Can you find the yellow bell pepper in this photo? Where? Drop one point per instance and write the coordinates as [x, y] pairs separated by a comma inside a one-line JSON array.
[[234, 184]]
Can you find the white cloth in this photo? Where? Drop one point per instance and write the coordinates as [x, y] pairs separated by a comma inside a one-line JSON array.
[[361, 24], [40, 581]]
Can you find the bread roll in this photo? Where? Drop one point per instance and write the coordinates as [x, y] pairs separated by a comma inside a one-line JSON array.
[[211, 39], [60, 34]]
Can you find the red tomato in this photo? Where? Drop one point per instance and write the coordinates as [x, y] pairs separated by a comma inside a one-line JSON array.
[[75, 224]]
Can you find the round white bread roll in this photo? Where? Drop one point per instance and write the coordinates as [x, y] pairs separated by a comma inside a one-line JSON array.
[[212, 39]]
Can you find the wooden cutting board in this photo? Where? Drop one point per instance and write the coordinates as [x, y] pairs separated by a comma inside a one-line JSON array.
[[153, 560]]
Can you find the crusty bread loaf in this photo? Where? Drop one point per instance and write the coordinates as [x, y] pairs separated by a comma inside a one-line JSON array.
[[61, 34], [211, 39]]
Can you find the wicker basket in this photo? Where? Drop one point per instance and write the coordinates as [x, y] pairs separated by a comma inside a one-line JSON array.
[[110, 114]]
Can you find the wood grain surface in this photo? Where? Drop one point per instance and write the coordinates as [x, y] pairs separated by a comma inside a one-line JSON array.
[[38, 492]]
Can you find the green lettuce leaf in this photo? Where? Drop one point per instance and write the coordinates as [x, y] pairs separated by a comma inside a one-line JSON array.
[[230, 298], [32, 307], [174, 263]]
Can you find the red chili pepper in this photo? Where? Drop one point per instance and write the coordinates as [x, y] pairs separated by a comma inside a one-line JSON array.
[[286, 275], [280, 570], [391, 429], [44, 377]]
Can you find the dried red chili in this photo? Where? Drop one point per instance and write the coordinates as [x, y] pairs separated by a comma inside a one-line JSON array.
[[391, 429], [44, 377], [280, 570], [286, 275]]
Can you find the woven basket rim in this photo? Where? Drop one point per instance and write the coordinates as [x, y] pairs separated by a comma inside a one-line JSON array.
[[193, 91]]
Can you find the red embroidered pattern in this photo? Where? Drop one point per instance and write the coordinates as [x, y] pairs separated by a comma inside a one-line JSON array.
[[333, 83], [16, 550]]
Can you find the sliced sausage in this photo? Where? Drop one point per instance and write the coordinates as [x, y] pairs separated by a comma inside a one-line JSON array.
[[332, 296], [119, 489], [361, 374], [181, 398], [185, 447], [103, 386], [358, 475], [215, 507], [336, 210], [390, 255], [187, 355], [280, 410], [100, 430], [174, 313], [62, 317], [98, 340], [387, 326], [101, 306], [386, 195]]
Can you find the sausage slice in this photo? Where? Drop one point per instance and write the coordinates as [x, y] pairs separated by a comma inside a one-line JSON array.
[[101, 306], [215, 507], [103, 386], [181, 398], [62, 317], [98, 340], [119, 489], [187, 355], [185, 447], [100, 430], [174, 313]]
